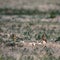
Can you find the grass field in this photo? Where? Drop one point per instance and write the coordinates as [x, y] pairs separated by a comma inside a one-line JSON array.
[[27, 21]]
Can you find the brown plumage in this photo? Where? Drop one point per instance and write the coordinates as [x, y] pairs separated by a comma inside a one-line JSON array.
[[44, 38]]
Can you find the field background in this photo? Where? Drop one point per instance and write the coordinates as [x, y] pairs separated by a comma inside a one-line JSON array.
[[30, 19]]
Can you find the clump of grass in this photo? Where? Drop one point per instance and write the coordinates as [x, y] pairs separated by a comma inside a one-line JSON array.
[[38, 36], [58, 39], [26, 31], [2, 58], [54, 13], [27, 57], [47, 57], [49, 54], [1, 40], [7, 58]]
